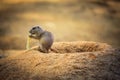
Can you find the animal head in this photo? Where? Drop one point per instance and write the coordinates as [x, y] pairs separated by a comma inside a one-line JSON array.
[[36, 30]]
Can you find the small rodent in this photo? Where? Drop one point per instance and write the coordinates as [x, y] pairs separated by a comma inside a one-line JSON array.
[[45, 38]]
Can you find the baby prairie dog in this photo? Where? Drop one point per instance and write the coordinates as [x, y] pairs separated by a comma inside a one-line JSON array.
[[45, 38]]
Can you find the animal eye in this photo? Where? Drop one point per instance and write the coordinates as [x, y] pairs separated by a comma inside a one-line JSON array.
[[33, 28]]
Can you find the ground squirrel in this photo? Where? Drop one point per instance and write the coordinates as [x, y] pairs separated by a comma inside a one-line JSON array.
[[45, 38]]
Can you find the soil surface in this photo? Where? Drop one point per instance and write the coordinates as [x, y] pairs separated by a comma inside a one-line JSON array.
[[66, 61]]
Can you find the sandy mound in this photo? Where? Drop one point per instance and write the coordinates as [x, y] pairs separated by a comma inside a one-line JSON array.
[[66, 61]]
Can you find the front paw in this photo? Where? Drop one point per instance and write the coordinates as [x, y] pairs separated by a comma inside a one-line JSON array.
[[30, 36]]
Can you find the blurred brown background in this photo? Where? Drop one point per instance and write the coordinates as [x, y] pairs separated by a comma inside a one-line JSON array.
[[68, 20]]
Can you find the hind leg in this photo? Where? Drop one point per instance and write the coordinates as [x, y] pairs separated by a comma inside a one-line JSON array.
[[43, 49]]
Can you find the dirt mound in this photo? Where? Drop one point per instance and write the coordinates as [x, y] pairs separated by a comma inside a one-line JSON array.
[[79, 46], [76, 61]]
